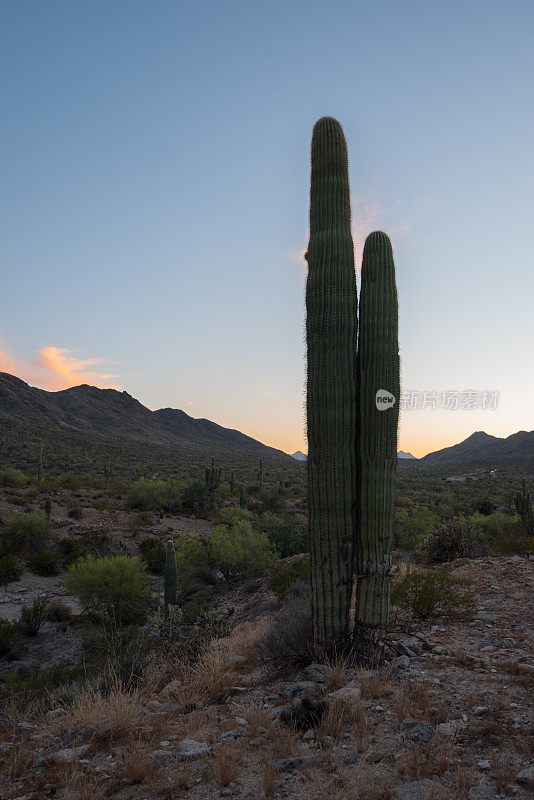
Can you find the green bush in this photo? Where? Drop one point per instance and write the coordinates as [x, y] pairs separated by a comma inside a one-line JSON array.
[[502, 533], [69, 550], [289, 639], [33, 617], [25, 534], [59, 611], [425, 593], [238, 550], [153, 554], [195, 499], [47, 563], [271, 501], [457, 538], [155, 495], [13, 477], [411, 525], [192, 558], [75, 513], [9, 636], [288, 536], [9, 568], [117, 587], [285, 574]]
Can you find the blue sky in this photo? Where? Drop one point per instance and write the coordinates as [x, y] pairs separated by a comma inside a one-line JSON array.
[[154, 202]]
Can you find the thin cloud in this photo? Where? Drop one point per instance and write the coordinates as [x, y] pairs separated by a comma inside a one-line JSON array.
[[57, 368]]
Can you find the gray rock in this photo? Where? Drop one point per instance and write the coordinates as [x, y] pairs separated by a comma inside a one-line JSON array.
[[525, 669], [296, 762], [407, 723], [484, 764], [188, 748], [417, 790], [423, 733], [228, 736], [483, 616], [54, 714], [451, 728], [402, 662], [439, 650], [526, 777], [171, 687], [302, 687], [482, 792], [351, 692], [316, 672], [71, 754]]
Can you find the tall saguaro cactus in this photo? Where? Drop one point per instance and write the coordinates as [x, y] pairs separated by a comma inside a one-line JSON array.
[[378, 416], [331, 331], [523, 506]]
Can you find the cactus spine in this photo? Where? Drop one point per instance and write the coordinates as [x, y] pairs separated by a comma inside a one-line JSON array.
[[171, 577], [523, 506], [331, 331], [378, 369]]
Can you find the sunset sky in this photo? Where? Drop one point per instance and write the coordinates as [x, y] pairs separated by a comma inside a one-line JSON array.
[[155, 187]]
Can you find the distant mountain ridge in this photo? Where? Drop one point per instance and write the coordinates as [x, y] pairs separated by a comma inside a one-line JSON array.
[[483, 450], [103, 422]]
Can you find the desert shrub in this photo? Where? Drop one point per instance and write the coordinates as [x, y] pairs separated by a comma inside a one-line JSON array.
[[484, 507], [13, 477], [457, 538], [9, 636], [140, 520], [186, 633], [117, 587], [289, 638], [237, 549], [33, 617], [59, 611], [47, 563], [98, 544], [31, 686], [75, 513], [289, 537], [153, 553], [25, 534], [271, 501], [502, 533], [9, 568], [195, 498], [411, 525], [427, 592], [192, 558], [286, 574], [155, 495], [69, 550]]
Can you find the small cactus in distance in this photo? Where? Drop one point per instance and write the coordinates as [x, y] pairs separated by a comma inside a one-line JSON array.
[[212, 479], [171, 577], [523, 506], [232, 483], [242, 497]]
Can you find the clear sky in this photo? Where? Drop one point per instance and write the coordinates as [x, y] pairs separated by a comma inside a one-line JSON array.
[[154, 197]]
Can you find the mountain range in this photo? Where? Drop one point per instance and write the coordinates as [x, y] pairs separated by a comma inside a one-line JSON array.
[[85, 427]]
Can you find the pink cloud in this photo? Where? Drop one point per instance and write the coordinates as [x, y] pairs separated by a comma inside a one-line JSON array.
[[58, 368]]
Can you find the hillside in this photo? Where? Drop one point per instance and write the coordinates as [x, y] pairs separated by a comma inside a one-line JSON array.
[[482, 450], [84, 427]]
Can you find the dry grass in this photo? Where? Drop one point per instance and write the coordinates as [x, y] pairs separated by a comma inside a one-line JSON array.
[[226, 765], [436, 792], [502, 772], [336, 673], [285, 742], [463, 780], [137, 768], [78, 784], [412, 701], [341, 713], [268, 779], [172, 786], [423, 762], [375, 685], [117, 714], [257, 718], [18, 759]]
